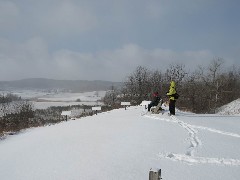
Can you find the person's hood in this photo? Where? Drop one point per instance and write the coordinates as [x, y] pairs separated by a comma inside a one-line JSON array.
[[155, 94], [172, 84]]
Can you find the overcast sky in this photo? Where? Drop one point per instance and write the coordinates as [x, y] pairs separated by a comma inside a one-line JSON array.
[[108, 39]]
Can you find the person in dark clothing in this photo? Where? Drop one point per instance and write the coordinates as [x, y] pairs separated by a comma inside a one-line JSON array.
[[155, 101], [171, 95], [172, 107]]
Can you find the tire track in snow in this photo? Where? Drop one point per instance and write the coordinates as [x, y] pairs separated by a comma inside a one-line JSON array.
[[195, 142]]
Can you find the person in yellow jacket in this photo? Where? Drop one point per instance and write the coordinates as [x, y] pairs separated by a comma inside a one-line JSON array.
[[171, 94]]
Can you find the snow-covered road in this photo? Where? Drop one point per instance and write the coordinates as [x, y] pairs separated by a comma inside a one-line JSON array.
[[123, 145]]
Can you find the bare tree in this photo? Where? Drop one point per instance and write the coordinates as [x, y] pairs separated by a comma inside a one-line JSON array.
[[212, 79], [201, 91], [137, 85], [156, 81], [176, 72], [110, 97], [15, 113]]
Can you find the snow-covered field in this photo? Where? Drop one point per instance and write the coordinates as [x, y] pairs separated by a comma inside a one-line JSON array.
[[125, 145], [43, 99], [68, 99]]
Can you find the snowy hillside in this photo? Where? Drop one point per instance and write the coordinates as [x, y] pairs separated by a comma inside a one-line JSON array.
[[232, 108], [125, 145]]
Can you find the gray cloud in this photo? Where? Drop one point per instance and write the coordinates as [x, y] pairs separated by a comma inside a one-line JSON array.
[[107, 40], [67, 18], [32, 59], [9, 13]]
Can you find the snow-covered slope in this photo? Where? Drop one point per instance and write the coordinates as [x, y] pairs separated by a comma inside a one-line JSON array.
[[125, 145], [232, 108]]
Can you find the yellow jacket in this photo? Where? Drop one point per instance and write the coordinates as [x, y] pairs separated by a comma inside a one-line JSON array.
[[172, 90]]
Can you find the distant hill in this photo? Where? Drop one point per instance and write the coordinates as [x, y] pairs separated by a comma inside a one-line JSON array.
[[73, 85]]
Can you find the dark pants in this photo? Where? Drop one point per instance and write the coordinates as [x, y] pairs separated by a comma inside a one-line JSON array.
[[152, 104], [172, 107]]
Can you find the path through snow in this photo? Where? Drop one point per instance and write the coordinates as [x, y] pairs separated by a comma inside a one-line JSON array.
[[189, 157]]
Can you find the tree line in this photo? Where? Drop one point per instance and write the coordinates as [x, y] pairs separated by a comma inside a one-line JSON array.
[[202, 90]]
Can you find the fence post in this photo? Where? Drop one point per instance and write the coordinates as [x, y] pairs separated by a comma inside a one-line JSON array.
[[155, 175]]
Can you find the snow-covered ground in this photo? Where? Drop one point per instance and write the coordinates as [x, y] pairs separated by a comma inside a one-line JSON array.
[[125, 145], [64, 97], [43, 99], [68, 99], [232, 108]]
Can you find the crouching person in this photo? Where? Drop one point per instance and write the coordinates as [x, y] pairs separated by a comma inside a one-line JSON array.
[[155, 101]]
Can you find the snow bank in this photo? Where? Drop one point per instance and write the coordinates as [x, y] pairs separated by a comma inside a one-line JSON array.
[[232, 108]]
